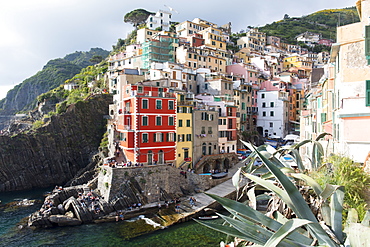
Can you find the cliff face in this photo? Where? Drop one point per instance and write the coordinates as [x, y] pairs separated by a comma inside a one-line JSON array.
[[54, 153]]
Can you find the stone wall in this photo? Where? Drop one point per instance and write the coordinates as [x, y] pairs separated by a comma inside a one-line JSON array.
[[149, 184]]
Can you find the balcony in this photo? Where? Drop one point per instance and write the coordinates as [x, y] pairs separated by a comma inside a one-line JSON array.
[[185, 102], [153, 94]]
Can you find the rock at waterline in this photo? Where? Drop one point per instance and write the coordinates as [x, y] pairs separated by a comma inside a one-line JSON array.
[[63, 220]]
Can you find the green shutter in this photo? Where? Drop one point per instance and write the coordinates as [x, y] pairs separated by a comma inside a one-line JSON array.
[[367, 40], [323, 117], [367, 93]]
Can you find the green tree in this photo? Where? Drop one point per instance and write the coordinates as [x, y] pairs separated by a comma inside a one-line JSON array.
[[136, 17], [96, 59]]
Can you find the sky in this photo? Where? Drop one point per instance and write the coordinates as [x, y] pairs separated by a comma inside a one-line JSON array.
[[34, 32]]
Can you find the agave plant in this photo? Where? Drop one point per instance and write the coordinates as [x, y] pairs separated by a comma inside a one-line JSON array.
[[302, 227]]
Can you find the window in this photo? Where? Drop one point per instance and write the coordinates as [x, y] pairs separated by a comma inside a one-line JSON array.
[[170, 137], [157, 137], [145, 104], [171, 121], [145, 138], [271, 124], [263, 96], [158, 121], [188, 123], [367, 93], [144, 121], [243, 106], [210, 130], [271, 104], [188, 137], [271, 113], [170, 105], [158, 104], [139, 89], [180, 122], [263, 114], [203, 130]]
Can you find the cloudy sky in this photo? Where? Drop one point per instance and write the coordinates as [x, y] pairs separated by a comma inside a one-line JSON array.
[[33, 32]]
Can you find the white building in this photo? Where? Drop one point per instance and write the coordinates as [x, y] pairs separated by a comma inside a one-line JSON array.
[[273, 111], [161, 19]]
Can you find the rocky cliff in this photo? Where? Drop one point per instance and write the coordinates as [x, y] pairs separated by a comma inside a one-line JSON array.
[[54, 153]]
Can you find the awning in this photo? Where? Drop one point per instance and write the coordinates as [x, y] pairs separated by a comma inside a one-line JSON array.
[[295, 122]]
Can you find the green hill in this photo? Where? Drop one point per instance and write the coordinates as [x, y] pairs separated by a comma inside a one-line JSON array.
[[23, 96], [324, 22]]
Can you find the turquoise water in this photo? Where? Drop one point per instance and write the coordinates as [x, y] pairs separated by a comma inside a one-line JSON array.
[[105, 234]]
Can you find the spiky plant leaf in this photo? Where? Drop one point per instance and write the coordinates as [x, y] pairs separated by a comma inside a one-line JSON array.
[[247, 214], [310, 181], [296, 202], [322, 135], [366, 220], [228, 231], [336, 207], [285, 230]]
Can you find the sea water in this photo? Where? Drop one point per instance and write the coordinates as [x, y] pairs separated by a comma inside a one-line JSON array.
[[105, 234]]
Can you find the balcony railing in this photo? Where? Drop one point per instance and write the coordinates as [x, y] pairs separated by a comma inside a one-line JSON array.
[[153, 94]]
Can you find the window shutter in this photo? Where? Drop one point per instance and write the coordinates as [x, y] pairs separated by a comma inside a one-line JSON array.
[[367, 44], [367, 93], [323, 117]]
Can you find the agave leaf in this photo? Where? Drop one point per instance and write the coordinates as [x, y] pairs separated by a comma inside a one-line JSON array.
[[243, 212], [336, 206], [352, 217], [317, 154], [300, 144], [310, 181], [328, 191], [285, 230], [279, 217], [326, 212], [298, 160], [228, 230], [366, 219], [358, 235], [296, 202], [322, 135], [256, 232], [252, 198], [236, 179]]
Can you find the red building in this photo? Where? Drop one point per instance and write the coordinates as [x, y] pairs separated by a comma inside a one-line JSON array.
[[147, 124]]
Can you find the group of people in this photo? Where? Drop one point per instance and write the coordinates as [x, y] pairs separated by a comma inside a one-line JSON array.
[[192, 201], [90, 201]]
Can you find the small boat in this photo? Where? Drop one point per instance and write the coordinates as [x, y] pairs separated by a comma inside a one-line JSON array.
[[209, 217], [219, 175]]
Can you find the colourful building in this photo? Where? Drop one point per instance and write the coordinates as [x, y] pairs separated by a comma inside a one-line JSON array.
[[146, 124], [184, 141]]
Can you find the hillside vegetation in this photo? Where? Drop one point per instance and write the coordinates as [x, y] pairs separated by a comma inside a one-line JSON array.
[[22, 97], [324, 22]]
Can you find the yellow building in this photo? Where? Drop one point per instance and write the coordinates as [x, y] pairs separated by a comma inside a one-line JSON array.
[[297, 61], [213, 38], [202, 57], [184, 140]]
